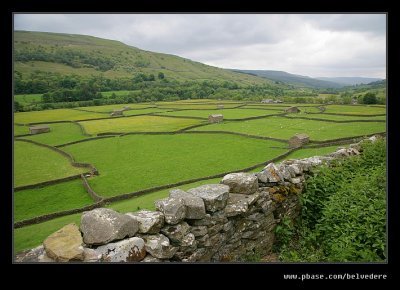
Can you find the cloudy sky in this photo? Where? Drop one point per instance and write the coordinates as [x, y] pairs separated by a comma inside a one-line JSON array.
[[307, 44]]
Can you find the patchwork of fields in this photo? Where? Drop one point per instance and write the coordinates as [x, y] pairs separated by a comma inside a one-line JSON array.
[[155, 146]]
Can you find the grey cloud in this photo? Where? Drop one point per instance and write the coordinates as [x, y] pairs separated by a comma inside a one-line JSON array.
[[307, 44]]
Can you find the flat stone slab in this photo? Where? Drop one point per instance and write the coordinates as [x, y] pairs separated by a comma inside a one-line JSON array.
[[244, 183], [173, 208], [65, 244], [213, 195], [150, 222], [195, 208], [102, 225], [128, 250]]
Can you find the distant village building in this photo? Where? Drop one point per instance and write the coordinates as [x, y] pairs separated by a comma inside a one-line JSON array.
[[354, 101], [292, 110], [220, 107], [298, 140], [117, 113], [215, 118], [39, 129]]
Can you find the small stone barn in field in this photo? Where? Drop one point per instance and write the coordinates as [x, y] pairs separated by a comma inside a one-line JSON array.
[[292, 110], [39, 129], [298, 140], [215, 118], [117, 113]]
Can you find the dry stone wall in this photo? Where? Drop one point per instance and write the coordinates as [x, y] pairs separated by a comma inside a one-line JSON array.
[[211, 223]]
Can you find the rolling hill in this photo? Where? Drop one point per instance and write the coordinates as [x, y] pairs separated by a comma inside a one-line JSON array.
[[349, 81], [295, 80], [84, 56]]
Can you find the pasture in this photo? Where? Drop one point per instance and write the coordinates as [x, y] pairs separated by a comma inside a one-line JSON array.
[[60, 133], [135, 162], [34, 164], [284, 128], [137, 124], [130, 163]]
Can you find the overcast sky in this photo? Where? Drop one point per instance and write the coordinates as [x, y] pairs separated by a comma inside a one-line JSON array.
[[308, 44]]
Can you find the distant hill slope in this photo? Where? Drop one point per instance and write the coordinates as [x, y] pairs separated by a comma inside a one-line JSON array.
[[296, 80], [349, 81], [87, 55]]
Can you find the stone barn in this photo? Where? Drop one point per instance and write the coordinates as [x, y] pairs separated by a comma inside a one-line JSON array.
[[216, 118], [292, 110], [298, 140], [39, 129], [117, 113], [220, 107]]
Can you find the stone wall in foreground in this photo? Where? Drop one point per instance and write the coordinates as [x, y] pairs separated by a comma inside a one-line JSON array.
[[211, 223]]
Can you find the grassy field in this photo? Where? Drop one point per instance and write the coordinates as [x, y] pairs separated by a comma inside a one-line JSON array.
[[196, 106], [144, 161], [60, 133], [337, 117], [31, 236], [284, 128], [228, 114], [54, 115], [21, 130], [39, 201], [44, 164], [27, 99], [137, 124], [358, 110], [110, 108]]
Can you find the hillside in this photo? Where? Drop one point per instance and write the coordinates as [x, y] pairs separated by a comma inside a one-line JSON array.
[[349, 81], [296, 80], [84, 56]]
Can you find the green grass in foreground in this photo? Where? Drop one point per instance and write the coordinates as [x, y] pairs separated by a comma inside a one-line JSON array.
[[138, 124], [60, 133], [284, 128], [54, 115], [143, 161], [39, 201], [34, 164], [31, 236]]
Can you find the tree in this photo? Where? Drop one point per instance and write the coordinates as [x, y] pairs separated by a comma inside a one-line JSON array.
[[17, 106], [161, 76], [370, 98]]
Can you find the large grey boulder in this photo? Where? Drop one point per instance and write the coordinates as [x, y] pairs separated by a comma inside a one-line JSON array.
[[174, 209], [102, 225], [65, 244], [150, 222], [176, 232], [128, 250], [195, 208], [244, 183], [213, 195], [159, 246], [270, 173]]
